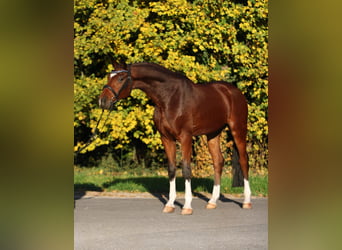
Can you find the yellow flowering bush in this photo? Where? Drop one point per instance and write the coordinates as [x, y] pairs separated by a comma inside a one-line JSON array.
[[204, 39]]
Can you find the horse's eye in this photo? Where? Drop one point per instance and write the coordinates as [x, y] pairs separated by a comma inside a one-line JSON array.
[[120, 79]]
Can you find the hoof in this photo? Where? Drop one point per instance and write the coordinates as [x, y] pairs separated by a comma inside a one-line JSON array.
[[247, 205], [168, 209], [186, 211], [211, 205]]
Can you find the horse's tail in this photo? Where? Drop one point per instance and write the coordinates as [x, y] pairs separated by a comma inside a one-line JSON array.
[[237, 172]]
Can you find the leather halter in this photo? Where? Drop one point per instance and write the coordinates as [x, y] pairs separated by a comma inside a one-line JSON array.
[[128, 81]]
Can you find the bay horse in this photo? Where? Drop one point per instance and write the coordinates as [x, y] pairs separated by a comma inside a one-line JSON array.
[[182, 110]]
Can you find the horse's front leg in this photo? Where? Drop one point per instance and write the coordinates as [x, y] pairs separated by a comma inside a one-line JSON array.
[[170, 150], [186, 143]]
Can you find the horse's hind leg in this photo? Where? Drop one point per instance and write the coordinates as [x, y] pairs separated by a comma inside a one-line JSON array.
[[186, 146], [238, 129], [170, 150], [216, 155]]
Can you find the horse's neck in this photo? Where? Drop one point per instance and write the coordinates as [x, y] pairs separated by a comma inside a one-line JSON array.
[[158, 87], [159, 92]]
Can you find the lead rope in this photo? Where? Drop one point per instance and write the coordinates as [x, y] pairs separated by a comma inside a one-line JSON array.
[[95, 132]]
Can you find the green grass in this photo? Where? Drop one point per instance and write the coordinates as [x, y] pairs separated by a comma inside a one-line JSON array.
[[103, 179]]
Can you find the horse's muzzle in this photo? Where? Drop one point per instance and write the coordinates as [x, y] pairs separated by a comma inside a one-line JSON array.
[[106, 103]]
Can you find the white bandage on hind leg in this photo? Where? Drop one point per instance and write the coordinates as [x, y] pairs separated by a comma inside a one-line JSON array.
[[247, 191]]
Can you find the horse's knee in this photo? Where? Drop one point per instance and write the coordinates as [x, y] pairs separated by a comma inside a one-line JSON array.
[[186, 171], [172, 172]]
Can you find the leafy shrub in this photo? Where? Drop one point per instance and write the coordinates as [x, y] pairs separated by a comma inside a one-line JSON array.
[[204, 39]]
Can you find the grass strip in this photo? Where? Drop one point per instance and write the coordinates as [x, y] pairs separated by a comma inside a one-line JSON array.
[[97, 179]]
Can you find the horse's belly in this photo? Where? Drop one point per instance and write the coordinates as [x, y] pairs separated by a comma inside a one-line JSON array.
[[208, 125]]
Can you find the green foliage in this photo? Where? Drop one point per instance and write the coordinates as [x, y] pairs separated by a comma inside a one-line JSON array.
[[204, 39]]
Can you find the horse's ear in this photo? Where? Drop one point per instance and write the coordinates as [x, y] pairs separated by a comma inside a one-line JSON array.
[[119, 65], [116, 65]]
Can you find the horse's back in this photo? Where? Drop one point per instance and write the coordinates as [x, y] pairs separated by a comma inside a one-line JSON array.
[[218, 93]]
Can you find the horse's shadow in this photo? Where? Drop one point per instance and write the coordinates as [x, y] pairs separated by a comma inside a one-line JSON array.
[[222, 198], [81, 189], [159, 187]]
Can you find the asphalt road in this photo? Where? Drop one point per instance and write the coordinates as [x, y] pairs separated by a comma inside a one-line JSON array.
[[138, 223]]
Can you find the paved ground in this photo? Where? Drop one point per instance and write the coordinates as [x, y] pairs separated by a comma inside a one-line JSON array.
[[138, 223]]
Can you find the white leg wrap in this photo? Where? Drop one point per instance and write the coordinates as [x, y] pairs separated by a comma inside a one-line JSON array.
[[188, 194], [247, 191], [216, 194], [172, 193]]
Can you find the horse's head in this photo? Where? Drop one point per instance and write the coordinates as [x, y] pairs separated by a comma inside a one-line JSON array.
[[119, 86]]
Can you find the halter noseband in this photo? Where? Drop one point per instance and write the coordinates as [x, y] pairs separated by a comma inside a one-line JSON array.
[[128, 80]]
